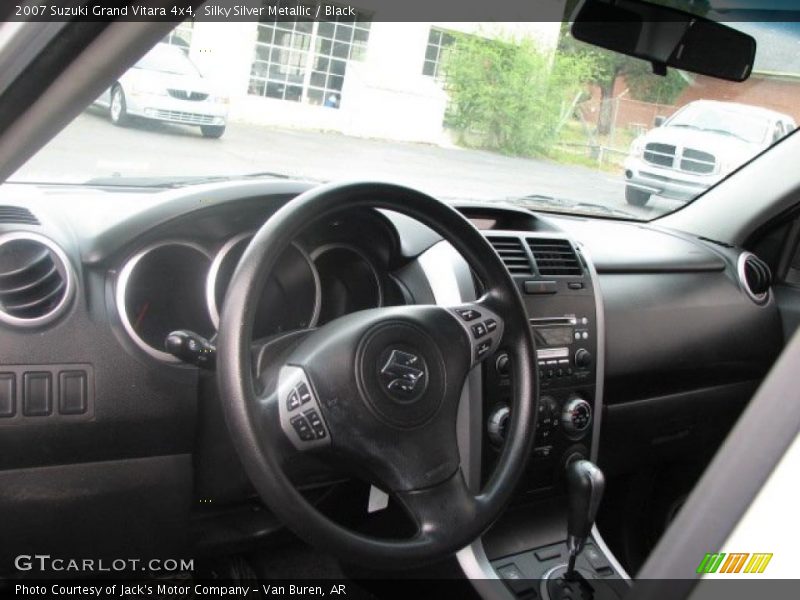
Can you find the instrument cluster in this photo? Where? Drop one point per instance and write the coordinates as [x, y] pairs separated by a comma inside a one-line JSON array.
[[181, 284]]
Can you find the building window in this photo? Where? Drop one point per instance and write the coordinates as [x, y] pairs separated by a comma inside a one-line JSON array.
[[279, 64], [306, 61], [181, 36], [438, 41]]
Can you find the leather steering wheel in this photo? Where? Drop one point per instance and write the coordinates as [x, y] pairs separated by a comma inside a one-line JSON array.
[[377, 390]]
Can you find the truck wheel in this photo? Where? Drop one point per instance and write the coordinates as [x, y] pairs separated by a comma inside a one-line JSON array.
[[635, 196], [212, 131]]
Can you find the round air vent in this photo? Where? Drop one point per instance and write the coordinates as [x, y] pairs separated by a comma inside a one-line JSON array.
[[755, 277], [36, 283]]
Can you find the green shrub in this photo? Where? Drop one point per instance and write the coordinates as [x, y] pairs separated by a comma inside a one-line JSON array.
[[509, 96]]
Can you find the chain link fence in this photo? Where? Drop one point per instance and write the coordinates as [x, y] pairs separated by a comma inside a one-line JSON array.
[[599, 132]]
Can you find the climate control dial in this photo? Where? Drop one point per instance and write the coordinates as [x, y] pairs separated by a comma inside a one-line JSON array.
[[576, 417]]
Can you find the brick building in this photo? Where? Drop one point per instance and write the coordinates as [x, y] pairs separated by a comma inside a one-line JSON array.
[[774, 84], [773, 91]]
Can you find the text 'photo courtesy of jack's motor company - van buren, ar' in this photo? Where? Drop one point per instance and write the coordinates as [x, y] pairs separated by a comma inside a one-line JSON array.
[[176, 590]]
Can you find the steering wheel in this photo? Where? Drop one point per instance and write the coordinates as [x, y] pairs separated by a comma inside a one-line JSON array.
[[377, 391]]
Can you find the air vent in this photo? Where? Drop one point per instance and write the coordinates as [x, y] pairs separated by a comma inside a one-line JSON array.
[[755, 277], [35, 280], [17, 215], [555, 257], [513, 254]]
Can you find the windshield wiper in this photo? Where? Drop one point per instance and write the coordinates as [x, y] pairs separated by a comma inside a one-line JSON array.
[[562, 205], [179, 180]]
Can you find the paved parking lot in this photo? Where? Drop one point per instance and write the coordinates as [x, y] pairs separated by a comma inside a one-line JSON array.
[[92, 147]]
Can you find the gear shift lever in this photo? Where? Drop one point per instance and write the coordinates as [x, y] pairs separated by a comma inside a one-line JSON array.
[[585, 485]]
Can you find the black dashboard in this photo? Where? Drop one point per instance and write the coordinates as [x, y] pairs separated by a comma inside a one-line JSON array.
[[91, 401]]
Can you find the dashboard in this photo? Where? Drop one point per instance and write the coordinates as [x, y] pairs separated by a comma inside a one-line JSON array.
[[97, 419]]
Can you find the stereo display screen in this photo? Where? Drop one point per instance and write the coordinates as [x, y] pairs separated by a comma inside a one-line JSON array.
[[550, 337]]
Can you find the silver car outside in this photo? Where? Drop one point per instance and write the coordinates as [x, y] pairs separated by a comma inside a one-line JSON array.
[[166, 86]]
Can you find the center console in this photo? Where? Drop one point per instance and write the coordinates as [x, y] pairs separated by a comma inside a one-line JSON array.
[[559, 293], [528, 552], [528, 548]]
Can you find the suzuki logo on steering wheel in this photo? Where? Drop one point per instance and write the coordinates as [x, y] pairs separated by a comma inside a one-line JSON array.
[[404, 375]]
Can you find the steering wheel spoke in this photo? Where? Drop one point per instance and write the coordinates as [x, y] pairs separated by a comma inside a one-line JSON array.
[[441, 508]]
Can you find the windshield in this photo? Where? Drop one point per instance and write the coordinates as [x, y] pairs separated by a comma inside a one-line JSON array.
[[490, 112], [717, 118], [167, 59]]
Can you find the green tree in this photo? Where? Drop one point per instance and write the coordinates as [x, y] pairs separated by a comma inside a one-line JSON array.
[[643, 85], [508, 95], [609, 66]]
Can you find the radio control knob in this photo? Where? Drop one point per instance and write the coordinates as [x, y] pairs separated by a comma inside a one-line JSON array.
[[576, 417], [497, 425], [583, 358]]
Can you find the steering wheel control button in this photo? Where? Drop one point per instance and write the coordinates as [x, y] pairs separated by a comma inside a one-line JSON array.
[[484, 336], [299, 396], [316, 424], [479, 330], [303, 393], [468, 314], [302, 427], [293, 401], [302, 419]]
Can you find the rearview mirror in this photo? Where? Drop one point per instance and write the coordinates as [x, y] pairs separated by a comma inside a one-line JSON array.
[[659, 120], [666, 37]]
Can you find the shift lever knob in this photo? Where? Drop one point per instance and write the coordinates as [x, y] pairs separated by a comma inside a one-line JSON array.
[[585, 485]]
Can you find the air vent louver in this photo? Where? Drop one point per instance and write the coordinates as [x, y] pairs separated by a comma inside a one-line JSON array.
[[756, 276], [34, 280], [17, 215], [555, 257], [513, 254]]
